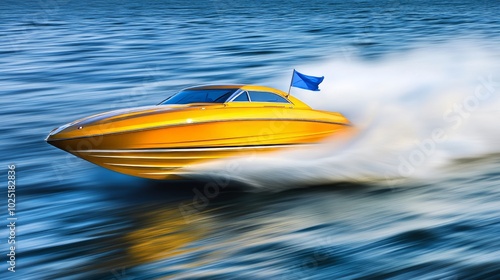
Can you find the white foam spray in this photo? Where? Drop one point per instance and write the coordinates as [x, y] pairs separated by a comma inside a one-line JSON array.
[[416, 112]]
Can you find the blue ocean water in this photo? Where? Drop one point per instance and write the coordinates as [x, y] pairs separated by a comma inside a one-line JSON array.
[[391, 205]]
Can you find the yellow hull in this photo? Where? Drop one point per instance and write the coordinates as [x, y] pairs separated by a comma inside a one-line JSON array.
[[158, 142], [162, 152]]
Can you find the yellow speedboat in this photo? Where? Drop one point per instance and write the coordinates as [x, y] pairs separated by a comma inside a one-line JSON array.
[[196, 125]]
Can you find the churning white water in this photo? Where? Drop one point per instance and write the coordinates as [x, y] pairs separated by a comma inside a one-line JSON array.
[[416, 112]]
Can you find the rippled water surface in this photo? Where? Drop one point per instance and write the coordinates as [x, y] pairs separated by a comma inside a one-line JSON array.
[[392, 203]]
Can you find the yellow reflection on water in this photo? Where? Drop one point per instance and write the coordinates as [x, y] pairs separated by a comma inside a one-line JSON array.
[[163, 234]]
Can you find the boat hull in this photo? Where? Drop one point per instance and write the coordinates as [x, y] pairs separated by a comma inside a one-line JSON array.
[[163, 152]]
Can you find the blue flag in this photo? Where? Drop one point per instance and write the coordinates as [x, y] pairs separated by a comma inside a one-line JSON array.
[[306, 82]]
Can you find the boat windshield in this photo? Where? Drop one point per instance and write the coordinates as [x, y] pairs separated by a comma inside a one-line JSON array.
[[200, 96]]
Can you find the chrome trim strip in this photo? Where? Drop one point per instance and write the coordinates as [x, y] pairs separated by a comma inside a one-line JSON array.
[[234, 95], [240, 92], [151, 157], [189, 149], [142, 165], [193, 123], [174, 172]]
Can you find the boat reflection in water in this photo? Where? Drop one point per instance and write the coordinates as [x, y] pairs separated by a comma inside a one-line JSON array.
[[157, 234], [165, 234], [196, 125]]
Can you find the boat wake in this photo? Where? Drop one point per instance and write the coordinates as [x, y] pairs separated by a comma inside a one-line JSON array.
[[417, 113]]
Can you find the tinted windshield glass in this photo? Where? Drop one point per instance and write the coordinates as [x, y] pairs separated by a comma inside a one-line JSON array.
[[262, 96], [200, 96], [242, 97]]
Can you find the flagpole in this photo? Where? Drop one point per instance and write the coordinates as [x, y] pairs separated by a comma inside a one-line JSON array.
[[291, 82]]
